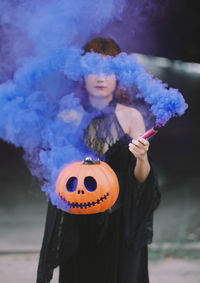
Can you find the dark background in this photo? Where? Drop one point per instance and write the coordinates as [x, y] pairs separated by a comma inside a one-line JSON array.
[[167, 28]]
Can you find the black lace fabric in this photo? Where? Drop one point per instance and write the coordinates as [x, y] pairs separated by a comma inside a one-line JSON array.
[[103, 132]]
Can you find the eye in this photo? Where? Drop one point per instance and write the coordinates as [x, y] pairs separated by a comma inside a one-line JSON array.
[[90, 183], [71, 184]]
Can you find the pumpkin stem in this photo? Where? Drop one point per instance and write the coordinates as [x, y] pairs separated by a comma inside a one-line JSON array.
[[90, 161]]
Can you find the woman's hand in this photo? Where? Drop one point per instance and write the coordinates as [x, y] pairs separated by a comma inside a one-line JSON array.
[[139, 148]]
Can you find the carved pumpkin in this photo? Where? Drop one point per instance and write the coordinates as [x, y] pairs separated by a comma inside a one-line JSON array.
[[88, 187]]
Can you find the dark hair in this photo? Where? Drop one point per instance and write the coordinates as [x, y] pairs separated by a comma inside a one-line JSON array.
[[107, 46]]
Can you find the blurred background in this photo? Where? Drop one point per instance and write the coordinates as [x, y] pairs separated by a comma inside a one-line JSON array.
[[171, 53]]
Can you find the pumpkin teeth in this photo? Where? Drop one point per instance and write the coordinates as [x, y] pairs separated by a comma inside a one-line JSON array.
[[84, 205]]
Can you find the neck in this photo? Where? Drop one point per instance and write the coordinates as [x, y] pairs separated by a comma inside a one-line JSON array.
[[100, 102]]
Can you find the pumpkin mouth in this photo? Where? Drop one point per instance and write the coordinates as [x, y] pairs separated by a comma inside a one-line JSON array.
[[85, 205]]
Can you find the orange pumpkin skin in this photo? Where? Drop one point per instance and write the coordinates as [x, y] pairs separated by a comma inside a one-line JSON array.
[[81, 195]]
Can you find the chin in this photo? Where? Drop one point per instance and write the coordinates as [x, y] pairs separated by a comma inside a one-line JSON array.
[[100, 94]]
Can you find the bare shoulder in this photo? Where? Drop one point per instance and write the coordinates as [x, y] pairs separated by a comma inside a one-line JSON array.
[[131, 119]]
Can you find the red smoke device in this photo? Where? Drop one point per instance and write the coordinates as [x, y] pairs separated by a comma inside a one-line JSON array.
[[150, 133]]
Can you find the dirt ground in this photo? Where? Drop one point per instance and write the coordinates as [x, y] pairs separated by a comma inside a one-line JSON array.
[[21, 268]]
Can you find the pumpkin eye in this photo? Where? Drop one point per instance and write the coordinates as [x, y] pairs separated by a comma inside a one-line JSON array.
[[90, 183], [71, 184]]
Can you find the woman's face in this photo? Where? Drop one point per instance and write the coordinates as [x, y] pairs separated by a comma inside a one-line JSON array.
[[100, 85]]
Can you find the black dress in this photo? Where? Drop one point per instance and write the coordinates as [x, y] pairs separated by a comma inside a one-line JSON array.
[[108, 247]]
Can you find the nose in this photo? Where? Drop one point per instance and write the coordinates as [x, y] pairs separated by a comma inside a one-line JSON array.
[[80, 192], [100, 77]]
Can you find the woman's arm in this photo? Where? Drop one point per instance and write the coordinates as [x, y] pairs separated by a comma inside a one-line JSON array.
[[132, 122], [139, 146], [139, 149]]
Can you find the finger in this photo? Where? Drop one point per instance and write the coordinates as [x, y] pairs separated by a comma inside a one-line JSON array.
[[131, 146], [137, 151], [135, 142], [132, 150], [140, 145], [143, 141]]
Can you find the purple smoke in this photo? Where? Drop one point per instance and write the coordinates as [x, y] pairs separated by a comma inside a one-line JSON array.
[[42, 62]]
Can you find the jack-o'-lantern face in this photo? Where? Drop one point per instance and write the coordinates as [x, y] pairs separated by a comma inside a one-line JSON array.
[[88, 187]]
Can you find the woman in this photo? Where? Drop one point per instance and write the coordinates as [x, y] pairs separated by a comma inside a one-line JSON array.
[[108, 247]]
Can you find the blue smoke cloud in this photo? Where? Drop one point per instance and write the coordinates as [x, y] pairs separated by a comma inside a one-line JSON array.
[[39, 110], [165, 102], [37, 43]]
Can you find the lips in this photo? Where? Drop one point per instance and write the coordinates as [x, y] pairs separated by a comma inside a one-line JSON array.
[[100, 87]]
